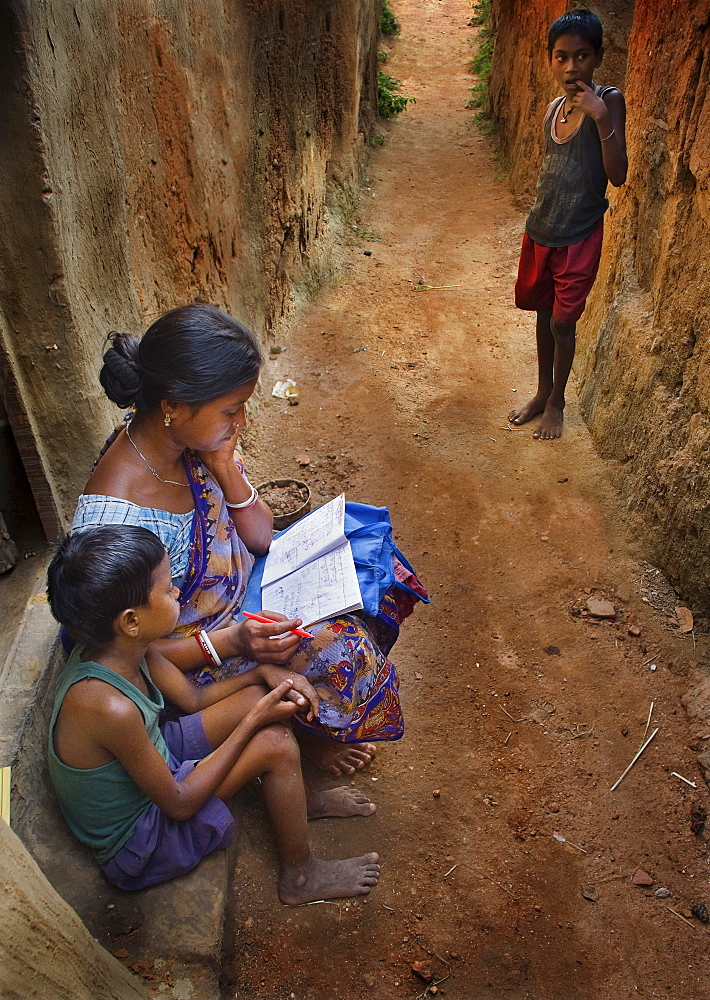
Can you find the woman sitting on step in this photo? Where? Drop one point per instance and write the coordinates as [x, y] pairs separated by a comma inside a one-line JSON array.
[[171, 467]]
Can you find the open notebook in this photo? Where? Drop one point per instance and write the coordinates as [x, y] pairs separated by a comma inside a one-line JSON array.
[[310, 572]]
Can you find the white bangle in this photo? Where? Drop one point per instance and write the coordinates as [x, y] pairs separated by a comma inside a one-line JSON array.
[[247, 503], [213, 652], [606, 136]]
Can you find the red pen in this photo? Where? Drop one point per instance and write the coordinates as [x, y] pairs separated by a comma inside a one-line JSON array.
[[270, 621]]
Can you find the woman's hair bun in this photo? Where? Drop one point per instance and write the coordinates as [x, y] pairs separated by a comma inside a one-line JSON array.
[[120, 375]]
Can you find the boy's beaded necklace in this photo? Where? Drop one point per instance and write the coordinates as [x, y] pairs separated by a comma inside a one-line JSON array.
[[565, 114]]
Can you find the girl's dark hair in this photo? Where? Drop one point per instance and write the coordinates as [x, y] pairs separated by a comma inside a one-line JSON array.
[[98, 573], [577, 22], [192, 355]]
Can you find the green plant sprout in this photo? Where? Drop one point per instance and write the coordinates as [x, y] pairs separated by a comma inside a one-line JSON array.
[[389, 25], [389, 102]]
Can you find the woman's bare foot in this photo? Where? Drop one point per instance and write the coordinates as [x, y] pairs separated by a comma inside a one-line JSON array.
[[336, 758], [342, 801], [528, 410], [319, 879], [551, 424]]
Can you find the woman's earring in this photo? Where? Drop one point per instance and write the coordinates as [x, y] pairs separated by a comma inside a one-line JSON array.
[[168, 419]]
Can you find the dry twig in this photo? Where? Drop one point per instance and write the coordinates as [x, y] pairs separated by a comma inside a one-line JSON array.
[[648, 721], [643, 747], [509, 715], [681, 917], [500, 886], [430, 951]]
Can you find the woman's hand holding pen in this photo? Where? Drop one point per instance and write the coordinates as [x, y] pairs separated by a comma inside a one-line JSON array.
[[265, 643]]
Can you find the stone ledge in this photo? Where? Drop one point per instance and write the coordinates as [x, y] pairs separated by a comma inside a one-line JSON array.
[[23, 671]]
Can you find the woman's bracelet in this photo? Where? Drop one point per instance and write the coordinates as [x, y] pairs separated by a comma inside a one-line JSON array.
[[207, 649], [606, 136], [246, 504]]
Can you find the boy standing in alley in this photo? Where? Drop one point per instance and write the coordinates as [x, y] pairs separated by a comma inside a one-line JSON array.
[[585, 148]]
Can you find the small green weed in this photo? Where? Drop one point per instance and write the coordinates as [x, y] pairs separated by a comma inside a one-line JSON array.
[[378, 139], [479, 95], [382, 56], [481, 62], [389, 25], [481, 13], [389, 102], [486, 123], [480, 66], [365, 235]]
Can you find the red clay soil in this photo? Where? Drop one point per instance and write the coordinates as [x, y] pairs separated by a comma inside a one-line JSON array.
[[521, 710]]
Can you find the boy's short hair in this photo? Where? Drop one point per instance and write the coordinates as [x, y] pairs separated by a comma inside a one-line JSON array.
[[98, 573], [577, 22]]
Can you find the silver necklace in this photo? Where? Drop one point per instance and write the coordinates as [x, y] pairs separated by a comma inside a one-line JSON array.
[[168, 482]]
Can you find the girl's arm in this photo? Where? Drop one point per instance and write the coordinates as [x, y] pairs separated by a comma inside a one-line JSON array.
[[189, 698], [123, 734], [250, 639]]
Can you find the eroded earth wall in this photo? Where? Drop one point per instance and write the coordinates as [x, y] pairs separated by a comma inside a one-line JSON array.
[[154, 153], [644, 342], [645, 359], [45, 950]]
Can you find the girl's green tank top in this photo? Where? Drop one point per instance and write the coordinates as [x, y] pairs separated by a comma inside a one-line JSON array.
[[103, 804]]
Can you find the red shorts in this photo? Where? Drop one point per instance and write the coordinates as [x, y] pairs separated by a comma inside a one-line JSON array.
[[558, 278]]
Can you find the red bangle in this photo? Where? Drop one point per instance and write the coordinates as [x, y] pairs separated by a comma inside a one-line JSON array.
[[203, 648]]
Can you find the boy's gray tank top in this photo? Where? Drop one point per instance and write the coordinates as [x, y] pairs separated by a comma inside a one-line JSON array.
[[571, 190]]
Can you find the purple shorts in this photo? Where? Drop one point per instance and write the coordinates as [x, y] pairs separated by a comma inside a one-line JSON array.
[[161, 848]]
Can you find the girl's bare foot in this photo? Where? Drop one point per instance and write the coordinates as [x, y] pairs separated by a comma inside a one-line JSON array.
[[551, 424], [336, 758], [528, 410], [319, 879], [342, 801]]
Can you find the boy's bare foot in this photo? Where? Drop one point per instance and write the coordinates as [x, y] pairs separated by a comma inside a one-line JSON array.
[[319, 879], [342, 801], [528, 410], [551, 424], [336, 758]]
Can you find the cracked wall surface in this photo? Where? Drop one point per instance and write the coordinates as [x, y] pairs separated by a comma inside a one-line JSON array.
[[645, 339], [156, 153]]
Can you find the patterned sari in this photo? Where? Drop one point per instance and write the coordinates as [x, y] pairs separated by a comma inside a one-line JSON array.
[[348, 660]]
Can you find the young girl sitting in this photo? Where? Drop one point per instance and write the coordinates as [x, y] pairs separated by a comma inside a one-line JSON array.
[[131, 788]]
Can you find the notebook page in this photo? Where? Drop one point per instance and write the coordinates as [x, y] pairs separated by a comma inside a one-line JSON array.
[[309, 538], [323, 588]]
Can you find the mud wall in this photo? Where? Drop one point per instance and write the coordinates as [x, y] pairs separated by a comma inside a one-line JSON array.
[[645, 360], [644, 342], [154, 153], [41, 933]]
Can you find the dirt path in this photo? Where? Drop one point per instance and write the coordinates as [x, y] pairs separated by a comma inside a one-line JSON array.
[[521, 712]]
